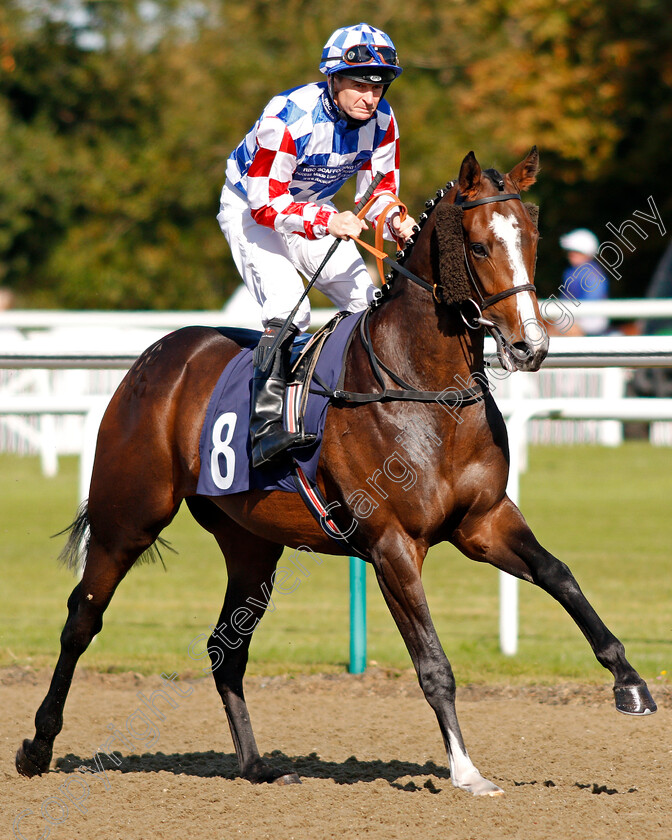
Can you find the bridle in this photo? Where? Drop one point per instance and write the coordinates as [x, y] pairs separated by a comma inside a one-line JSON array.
[[408, 392], [485, 302], [482, 303]]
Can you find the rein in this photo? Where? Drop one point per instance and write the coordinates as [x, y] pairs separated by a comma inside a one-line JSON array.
[[378, 252], [407, 391]]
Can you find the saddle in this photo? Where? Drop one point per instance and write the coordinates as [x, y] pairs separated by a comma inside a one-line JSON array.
[[306, 351], [316, 381], [318, 363], [224, 442]]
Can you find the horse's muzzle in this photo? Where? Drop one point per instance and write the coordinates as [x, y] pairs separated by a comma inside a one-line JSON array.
[[527, 355]]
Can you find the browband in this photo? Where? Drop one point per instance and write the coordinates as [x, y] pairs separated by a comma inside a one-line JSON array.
[[465, 205]]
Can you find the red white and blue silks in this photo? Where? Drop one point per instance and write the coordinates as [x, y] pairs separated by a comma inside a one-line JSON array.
[[300, 152]]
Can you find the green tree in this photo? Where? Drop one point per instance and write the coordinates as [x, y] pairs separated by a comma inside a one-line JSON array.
[[588, 83], [117, 118]]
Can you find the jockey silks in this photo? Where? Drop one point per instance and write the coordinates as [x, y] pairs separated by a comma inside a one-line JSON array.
[[300, 152]]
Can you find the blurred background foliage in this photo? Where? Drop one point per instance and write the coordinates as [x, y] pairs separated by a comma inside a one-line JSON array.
[[117, 117]]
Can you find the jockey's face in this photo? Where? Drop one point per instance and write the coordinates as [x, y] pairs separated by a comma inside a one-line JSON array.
[[358, 99]]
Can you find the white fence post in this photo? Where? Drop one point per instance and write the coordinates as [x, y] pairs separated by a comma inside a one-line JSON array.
[[516, 427], [611, 431], [48, 449]]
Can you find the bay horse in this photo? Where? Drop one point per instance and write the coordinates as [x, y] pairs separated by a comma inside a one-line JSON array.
[[429, 332]]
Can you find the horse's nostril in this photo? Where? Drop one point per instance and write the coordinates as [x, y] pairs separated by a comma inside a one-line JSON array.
[[521, 350]]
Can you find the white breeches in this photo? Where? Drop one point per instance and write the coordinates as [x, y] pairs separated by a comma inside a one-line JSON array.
[[269, 262]]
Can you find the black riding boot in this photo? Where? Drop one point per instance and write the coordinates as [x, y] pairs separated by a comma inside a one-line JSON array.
[[267, 435]]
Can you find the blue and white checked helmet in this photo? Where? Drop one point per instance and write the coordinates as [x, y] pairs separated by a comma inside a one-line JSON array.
[[361, 52]]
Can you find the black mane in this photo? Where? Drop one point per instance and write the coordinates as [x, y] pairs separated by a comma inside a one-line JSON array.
[[453, 284]]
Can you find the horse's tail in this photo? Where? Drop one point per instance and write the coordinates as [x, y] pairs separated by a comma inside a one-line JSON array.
[[75, 551]]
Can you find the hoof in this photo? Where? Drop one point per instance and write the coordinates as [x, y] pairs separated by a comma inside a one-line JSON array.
[[288, 779], [634, 700], [488, 789], [261, 773], [26, 766], [478, 786]]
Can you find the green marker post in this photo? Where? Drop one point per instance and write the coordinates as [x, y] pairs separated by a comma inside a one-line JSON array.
[[357, 616]]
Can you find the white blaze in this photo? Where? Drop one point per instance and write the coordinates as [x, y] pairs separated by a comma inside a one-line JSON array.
[[507, 231]]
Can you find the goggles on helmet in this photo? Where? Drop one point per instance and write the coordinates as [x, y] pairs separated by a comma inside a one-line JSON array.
[[368, 53]]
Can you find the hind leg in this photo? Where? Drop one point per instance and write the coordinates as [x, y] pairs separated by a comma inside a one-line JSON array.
[[86, 605], [146, 462], [503, 538], [250, 563], [121, 529]]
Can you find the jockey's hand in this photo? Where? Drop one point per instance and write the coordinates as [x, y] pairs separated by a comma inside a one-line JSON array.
[[344, 225], [403, 230]]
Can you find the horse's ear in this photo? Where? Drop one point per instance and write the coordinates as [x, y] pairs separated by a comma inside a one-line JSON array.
[[470, 176], [453, 281], [525, 173], [532, 212]]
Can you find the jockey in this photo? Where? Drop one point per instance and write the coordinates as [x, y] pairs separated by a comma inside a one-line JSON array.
[[276, 210]]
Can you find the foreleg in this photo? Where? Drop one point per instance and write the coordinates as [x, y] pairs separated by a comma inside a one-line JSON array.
[[397, 567], [502, 537]]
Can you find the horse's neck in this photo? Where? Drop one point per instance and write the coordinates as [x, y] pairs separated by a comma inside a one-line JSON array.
[[427, 345]]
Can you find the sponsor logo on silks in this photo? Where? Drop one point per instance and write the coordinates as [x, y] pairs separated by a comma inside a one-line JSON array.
[[330, 109], [325, 176]]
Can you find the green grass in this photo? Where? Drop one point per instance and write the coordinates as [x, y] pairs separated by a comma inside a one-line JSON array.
[[605, 512]]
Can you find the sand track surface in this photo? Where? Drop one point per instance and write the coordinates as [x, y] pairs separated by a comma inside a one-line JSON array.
[[367, 748]]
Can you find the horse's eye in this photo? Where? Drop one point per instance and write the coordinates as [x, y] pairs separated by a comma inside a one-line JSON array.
[[479, 250]]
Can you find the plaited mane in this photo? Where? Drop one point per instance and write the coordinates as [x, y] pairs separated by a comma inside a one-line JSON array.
[[453, 286], [430, 205], [447, 248]]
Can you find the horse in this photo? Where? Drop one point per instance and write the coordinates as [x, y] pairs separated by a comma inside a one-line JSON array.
[[470, 269]]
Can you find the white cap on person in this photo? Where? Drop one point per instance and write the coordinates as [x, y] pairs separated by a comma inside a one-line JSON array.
[[582, 240]]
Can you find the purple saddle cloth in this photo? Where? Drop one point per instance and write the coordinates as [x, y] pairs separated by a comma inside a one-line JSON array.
[[224, 443]]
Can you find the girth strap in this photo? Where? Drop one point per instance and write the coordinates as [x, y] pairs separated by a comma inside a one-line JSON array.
[[449, 396]]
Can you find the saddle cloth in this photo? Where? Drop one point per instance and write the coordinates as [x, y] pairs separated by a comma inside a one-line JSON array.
[[224, 442]]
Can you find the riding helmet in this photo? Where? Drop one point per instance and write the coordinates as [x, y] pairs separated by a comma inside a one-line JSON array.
[[362, 53]]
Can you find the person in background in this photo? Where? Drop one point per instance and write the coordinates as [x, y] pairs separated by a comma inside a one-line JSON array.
[[276, 210], [584, 278]]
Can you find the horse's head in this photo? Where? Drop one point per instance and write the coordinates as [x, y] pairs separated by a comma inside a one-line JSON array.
[[492, 279]]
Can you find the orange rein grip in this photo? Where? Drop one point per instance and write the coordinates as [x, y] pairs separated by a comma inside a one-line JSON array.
[[378, 251]]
